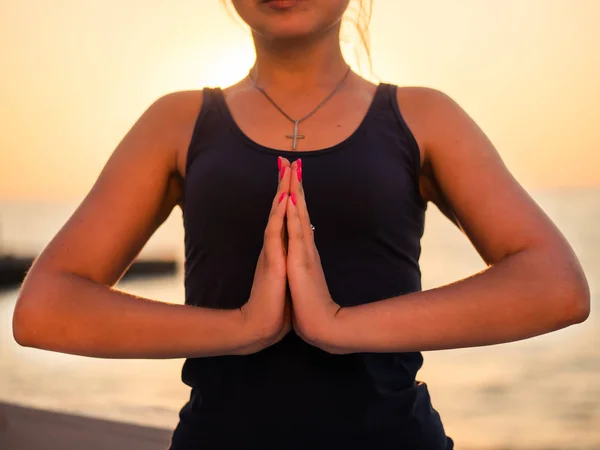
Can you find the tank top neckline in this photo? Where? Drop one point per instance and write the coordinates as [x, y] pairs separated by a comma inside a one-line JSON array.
[[377, 100]]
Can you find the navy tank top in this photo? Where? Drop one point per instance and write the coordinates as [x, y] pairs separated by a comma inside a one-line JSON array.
[[363, 198]]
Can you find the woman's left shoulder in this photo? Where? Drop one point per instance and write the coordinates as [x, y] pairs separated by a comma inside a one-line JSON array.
[[420, 108], [433, 116], [426, 100]]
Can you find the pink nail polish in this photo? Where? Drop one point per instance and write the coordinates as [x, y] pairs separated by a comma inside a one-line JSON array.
[[299, 169], [293, 197], [282, 196], [279, 163], [282, 173]]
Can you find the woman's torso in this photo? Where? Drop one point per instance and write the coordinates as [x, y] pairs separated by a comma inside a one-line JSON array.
[[364, 198]]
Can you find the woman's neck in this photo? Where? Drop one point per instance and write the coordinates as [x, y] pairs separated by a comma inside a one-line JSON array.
[[299, 65]]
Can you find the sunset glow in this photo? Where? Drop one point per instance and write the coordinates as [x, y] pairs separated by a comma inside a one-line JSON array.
[[77, 74]]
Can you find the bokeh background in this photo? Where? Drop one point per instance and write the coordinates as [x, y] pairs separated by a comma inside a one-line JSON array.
[[76, 74]]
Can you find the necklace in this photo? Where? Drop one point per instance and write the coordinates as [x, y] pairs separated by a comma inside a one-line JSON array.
[[295, 136]]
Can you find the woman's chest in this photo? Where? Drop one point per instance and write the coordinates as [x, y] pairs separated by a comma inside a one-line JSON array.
[[352, 193]]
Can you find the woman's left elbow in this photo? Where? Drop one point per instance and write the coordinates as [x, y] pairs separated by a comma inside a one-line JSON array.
[[581, 311], [576, 305]]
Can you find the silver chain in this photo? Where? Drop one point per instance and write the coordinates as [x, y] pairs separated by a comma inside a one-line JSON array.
[[296, 122]]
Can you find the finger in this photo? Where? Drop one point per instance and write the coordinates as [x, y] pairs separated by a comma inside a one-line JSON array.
[[284, 162], [296, 232], [281, 161], [297, 189], [284, 167], [283, 186], [273, 243]]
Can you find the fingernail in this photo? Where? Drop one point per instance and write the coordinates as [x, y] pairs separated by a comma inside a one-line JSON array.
[[281, 173], [293, 197], [279, 163], [299, 169], [282, 196]]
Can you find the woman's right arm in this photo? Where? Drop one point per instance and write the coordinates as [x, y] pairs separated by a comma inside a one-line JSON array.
[[68, 302]]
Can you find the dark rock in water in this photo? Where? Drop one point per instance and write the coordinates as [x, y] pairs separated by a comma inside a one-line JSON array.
[[146, 268], [13, 269]]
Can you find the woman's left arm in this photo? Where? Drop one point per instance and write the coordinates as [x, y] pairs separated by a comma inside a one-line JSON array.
[[534, 283]]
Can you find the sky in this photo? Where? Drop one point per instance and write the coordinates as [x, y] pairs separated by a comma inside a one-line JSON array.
[[76, 74]]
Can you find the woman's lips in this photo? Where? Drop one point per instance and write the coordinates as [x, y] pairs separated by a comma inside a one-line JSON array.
[[280, 4]]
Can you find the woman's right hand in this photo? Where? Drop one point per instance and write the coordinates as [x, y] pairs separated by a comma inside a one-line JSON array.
[[268, 310]]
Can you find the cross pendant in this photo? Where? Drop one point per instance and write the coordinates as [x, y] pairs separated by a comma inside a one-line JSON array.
[[295, 136]]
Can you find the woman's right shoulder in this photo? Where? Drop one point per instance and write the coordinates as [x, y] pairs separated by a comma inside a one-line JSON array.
[[178, 106], [178, 112]]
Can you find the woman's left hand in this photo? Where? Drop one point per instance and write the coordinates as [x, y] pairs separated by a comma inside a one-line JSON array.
[[314, 311]]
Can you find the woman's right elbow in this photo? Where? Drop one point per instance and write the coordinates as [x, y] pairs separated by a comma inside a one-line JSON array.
[[31, 313], [22, 324], [25, 323]]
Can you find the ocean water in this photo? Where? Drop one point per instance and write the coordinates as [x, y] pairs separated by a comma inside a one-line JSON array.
[[540, 393]]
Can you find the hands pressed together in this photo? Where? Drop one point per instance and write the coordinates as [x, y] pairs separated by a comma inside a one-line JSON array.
[[289, 288]]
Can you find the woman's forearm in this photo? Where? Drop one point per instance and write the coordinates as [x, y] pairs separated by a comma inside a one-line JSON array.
[[526, 294], [67, 313]]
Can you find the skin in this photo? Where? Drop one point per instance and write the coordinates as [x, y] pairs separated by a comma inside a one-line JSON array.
[[533, 284]]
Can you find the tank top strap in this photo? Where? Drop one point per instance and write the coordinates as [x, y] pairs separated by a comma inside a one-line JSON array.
[[387, 112], [214, 96], [390, 100], [383, 95], [385, 103], [207, 122]]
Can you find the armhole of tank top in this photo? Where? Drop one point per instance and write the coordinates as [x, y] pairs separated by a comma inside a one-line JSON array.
[[193, 147], [414, 146]]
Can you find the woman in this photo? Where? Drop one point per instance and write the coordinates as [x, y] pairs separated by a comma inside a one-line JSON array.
[[332, 361]]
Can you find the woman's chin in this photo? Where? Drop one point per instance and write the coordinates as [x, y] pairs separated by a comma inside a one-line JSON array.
[[289, 32]]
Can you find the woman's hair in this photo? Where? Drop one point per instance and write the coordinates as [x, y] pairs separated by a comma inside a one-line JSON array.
[[358, 14]]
